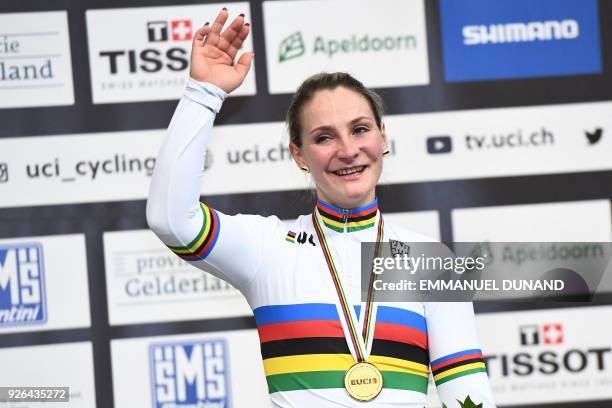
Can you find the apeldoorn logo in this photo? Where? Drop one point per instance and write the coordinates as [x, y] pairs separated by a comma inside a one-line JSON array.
[[190, 374], [291, 47], [294, 46], [35, 62], [519, 39], [22, 287], [147, 59], [315, 42]]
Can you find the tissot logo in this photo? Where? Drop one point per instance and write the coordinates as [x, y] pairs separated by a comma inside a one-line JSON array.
[[545, 351], [152, 60], [22, 289], [485, 39], [530, 335], [180, 30], [553, 333], [190, 374], [548, 333], [139, 54], [594, 136], [439, 144]]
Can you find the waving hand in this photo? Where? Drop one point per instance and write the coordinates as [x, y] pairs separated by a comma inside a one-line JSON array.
[[214, 51]]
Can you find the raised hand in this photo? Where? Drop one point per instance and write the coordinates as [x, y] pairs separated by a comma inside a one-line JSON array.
[[214, 51]]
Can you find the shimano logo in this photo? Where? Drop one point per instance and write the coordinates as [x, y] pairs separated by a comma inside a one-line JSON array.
[[521, 32]]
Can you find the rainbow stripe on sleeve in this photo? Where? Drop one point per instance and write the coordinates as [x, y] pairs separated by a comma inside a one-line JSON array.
[[457, 365], [303, 347], [199, 248]]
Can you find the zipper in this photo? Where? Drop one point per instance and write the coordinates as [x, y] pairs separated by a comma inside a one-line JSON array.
[[345, 218]]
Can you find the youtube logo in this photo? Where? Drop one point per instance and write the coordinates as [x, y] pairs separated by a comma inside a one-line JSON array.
[[439, 144]]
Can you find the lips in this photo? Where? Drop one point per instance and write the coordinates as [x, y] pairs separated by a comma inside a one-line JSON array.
[[347, 171]]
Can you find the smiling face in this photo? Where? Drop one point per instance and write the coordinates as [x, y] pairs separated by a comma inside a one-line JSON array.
[[342, 146]]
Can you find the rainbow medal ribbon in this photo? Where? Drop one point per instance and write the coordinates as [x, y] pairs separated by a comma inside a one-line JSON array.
[[363, 381]]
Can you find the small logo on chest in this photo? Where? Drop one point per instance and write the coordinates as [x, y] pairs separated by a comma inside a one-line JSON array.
[[301, 238]]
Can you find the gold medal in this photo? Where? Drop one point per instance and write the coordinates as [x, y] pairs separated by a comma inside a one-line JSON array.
[[363, 381]]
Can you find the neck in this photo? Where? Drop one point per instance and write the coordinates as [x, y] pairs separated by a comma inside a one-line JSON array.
[[362, 206], [347, 204]]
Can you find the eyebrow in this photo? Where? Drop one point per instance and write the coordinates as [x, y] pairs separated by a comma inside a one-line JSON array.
[[352, 123]]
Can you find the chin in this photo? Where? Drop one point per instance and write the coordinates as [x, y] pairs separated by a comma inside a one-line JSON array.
[[355, 197]]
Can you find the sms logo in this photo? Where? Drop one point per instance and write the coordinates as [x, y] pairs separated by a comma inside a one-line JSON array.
[[22, 289], [190, 374]]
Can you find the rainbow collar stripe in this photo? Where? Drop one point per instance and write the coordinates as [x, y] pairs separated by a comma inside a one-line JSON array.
[[355, 219]]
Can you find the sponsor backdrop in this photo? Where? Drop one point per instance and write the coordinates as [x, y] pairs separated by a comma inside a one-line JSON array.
[[499, 115]]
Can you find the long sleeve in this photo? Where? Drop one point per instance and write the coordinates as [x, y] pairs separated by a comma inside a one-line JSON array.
[[199, 234], [457, 362]]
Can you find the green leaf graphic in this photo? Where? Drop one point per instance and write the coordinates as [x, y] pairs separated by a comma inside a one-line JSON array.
[[291, 47]]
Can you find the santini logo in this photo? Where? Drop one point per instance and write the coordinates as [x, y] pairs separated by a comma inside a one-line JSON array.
[[521, 32], [22, 294]]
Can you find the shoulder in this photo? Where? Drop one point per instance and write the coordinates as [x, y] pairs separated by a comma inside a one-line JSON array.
[[270, 224]]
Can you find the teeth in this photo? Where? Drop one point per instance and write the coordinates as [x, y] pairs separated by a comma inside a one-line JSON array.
[[344, 172]]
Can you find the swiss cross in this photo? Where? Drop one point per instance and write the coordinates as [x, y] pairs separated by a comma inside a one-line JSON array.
[[181, 30], [553, 333]]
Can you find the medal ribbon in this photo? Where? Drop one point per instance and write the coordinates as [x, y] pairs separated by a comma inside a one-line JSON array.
[[359, 344]]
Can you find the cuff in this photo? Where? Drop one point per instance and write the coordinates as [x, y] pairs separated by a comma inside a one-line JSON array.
[[205, 94]]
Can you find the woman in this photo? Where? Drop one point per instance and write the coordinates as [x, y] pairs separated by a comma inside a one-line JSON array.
[[318, 349]]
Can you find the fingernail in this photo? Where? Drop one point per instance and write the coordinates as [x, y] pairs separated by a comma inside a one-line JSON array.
[[241, 14], [206, 23], [247, 24], [224, 8]]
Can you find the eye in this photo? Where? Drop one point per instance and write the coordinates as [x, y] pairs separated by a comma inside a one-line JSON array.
[[322, 138], [361, 129]]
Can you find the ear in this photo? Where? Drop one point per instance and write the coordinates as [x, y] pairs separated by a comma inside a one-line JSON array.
[[384, 136], [297, 155]]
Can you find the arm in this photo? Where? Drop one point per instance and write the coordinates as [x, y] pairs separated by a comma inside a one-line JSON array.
[[456, 358], [192, 230]]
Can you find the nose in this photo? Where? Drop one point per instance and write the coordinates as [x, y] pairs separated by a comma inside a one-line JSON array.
[[347, 149]]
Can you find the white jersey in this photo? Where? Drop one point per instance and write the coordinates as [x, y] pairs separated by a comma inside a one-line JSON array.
[[281, 270]]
